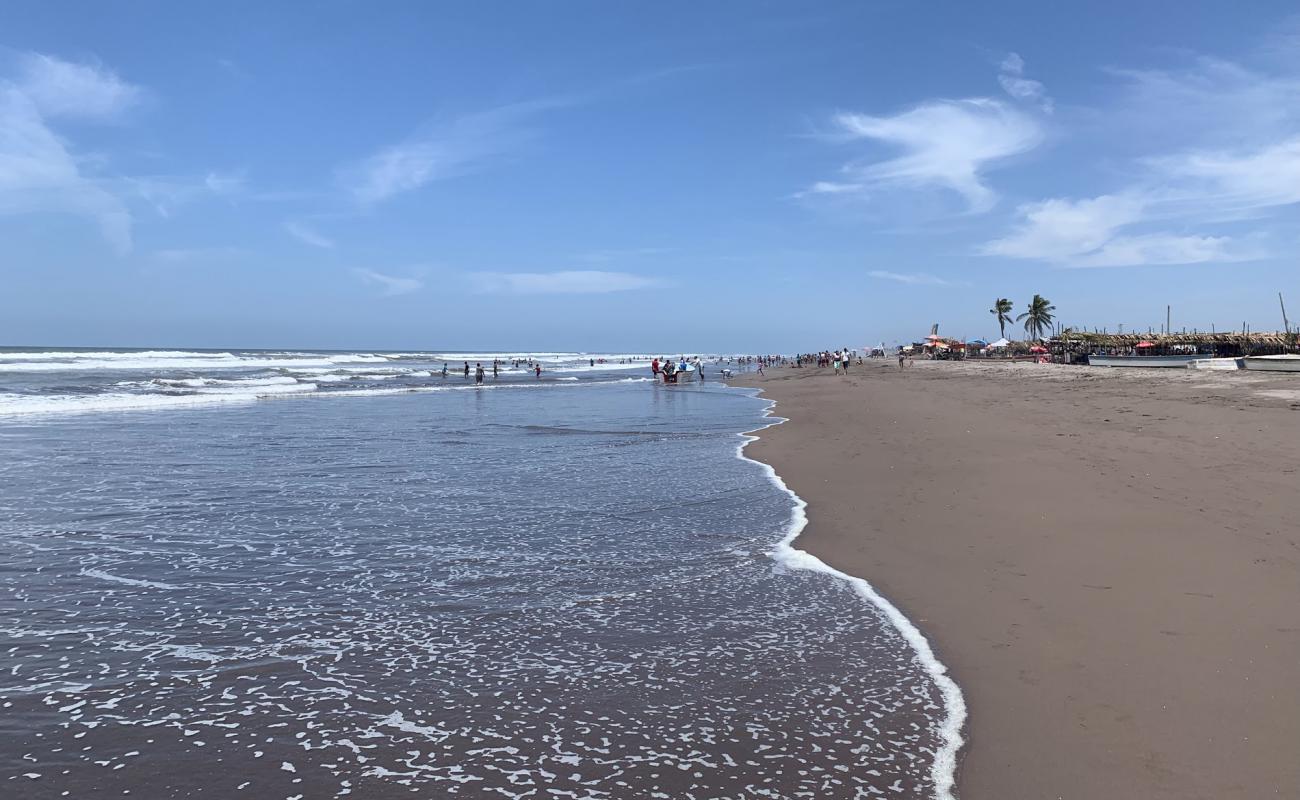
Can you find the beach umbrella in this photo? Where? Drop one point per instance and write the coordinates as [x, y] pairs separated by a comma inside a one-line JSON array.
[[1038, 348], [1146, 344]]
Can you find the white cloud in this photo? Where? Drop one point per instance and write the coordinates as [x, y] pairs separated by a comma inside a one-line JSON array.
[[391, 285], [1191, 187], [442, 150], [166, 193], [913, 278], [1013, 80], [1089, 233], [62, 88], [1062, 230], [570, 282], [307, 235], [1165, 248], [947, 144], [38, 173], [1228, 181]]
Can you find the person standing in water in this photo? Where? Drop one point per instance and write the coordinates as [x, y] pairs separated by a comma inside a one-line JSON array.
[[478, 373], [496, 371], [466, 369], [444, 369], [537, 370]]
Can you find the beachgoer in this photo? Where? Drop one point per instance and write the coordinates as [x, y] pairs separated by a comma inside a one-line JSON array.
[[496, 373], [537, 370], [444, 369], [654, 367], [478, 373], [466, 369]]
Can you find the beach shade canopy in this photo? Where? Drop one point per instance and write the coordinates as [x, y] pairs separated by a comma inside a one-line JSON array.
[[1003, 342], [1146, 344], [1038, 348], [977, 343]]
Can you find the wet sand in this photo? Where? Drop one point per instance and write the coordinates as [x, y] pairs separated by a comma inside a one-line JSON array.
[[1107, 560]]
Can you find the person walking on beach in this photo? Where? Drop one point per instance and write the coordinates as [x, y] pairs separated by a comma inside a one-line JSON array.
[[654, 368], [478, 373]]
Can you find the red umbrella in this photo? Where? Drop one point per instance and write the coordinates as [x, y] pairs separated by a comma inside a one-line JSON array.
[[1146, 344], [1038, 349]]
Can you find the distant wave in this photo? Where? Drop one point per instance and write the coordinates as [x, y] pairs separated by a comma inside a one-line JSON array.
[[31, 405]]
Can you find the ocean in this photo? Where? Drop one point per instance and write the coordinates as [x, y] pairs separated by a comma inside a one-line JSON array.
[[318, 574]]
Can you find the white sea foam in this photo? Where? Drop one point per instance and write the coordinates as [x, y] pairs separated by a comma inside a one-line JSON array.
[[21, 405], [283, 380], [944, 769], [162, 360], [105, 576]]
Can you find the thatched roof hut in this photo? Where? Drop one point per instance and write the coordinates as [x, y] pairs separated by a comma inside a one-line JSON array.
[[1227, 344]]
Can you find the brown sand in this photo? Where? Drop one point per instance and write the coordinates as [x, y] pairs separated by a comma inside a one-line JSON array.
[[1105, 559]]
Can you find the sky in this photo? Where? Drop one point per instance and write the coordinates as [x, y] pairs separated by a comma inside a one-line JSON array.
[[678, 176]]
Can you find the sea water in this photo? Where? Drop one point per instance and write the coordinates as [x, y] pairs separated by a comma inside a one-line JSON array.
[[539, 588]]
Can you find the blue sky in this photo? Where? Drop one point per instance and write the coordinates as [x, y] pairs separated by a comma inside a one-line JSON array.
[[639, 176]]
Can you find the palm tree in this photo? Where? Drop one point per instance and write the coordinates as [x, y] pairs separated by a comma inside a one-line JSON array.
[[1039, 316], [1002, 308]]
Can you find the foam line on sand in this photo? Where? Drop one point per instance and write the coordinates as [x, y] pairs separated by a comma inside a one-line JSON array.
[[943, 772]]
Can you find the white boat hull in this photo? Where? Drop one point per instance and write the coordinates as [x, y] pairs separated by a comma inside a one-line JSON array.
[[1177, 362], [1216, 363], [1282, 363]]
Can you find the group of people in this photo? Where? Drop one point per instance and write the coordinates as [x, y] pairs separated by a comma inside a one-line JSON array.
[[669, 369], [840, 360], [479, 372]]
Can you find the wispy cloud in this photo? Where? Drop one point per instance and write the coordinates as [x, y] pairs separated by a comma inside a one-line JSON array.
[[568, 282], [913, 278], [620, 254], [1234, 156], [38, 173], [391, 285], [307, 235], [444, 149], [166, 193], [182, 255], [947, 144], [1013, 80], [63, 88], [1191, 188]]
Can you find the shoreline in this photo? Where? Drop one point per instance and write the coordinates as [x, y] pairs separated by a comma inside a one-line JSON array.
[[1107, 562], [943, 770]]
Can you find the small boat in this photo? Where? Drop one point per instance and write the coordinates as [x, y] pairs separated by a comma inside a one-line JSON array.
[[680, 376], [1178, 361], [1279, 363], [1214, 362]]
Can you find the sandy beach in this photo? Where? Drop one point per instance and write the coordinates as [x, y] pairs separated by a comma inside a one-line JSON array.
[[1106, 560]]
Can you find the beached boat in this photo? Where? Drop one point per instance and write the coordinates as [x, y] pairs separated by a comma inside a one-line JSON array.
[[1279, 363], [1178, 361], [1212, 362]]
